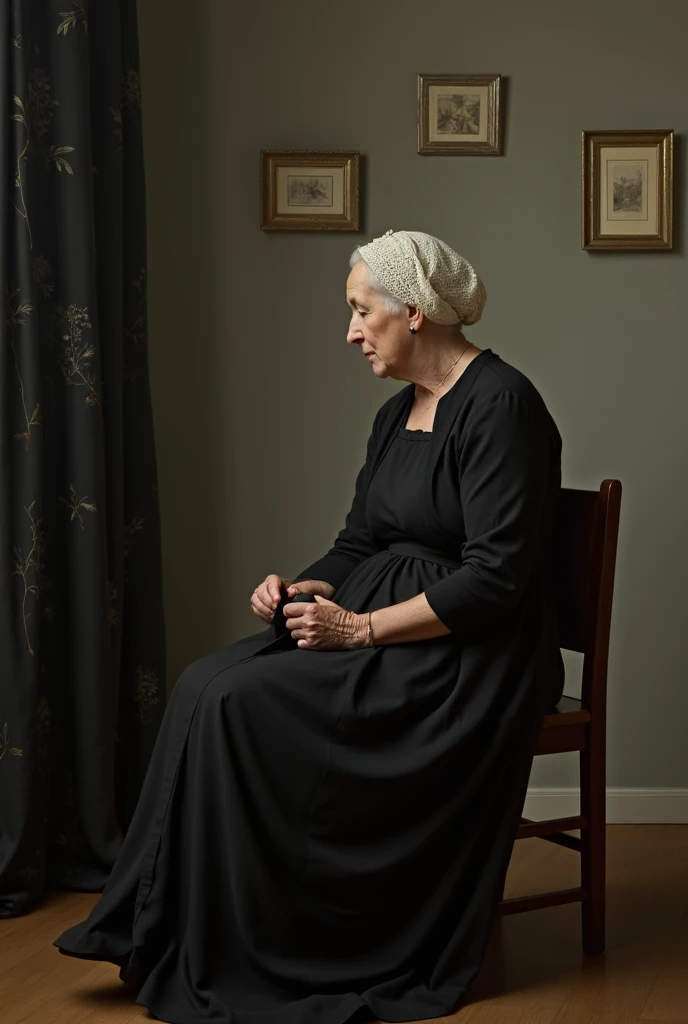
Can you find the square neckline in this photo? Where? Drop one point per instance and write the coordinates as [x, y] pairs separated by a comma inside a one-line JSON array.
[[417, 434]]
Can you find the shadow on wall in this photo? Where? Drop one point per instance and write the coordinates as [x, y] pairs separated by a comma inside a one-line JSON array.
[[189, 400]]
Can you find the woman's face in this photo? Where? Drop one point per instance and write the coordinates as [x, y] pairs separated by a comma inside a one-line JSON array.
[[383, 336]]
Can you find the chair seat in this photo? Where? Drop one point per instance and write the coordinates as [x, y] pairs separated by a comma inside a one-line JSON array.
[[564, 728]]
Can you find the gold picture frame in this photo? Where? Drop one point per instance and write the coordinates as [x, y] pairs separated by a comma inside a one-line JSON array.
[[309, 190], [627, 189], [459, 115]]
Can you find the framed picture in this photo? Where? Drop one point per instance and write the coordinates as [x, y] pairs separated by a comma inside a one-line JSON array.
[[459, 115], [309, 190], [627, 189]]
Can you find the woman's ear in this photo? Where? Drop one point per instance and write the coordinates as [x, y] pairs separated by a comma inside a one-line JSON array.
[[415, 318]]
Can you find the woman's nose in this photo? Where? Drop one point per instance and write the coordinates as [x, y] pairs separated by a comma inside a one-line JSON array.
[[354, 336]]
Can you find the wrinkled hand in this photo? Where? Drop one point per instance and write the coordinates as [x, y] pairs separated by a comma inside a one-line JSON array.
[[266, 596], [325, 626]]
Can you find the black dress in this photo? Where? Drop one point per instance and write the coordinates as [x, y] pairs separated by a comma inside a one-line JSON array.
[[322, 835]]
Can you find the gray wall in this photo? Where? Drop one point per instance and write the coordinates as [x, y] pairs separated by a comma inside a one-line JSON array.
[[262, 410]]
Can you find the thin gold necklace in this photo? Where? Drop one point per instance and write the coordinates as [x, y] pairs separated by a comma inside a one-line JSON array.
[[436, 398]]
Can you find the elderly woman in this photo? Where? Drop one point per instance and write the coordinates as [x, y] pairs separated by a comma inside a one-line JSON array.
[[329, 811]]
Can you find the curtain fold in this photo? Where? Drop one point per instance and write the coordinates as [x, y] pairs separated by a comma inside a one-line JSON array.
[[82, 671]]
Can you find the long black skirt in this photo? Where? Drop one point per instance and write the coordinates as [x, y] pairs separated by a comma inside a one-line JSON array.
[[322, 836]]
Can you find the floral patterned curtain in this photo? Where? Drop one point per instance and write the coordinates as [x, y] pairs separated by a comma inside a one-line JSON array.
[[82, 686]]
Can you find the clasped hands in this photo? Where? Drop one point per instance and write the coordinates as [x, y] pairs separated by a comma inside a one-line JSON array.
[[319, 626]]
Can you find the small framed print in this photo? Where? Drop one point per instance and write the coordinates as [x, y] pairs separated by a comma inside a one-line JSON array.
[[627, 186], [309, 190], [459, 115]]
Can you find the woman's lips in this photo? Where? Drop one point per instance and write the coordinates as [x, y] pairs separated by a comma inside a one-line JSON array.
[[369, 354]]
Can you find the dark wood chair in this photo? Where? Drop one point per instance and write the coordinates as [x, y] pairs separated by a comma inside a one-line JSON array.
[[585, 554]]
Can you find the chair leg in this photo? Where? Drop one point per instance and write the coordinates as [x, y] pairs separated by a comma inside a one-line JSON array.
[[593, 840]]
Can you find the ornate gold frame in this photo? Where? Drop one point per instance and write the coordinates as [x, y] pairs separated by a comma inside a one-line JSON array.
[[591, 143], [271, 159], [493, 145]]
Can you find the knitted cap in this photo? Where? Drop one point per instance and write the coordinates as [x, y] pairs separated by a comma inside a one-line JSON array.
[[425, 272]]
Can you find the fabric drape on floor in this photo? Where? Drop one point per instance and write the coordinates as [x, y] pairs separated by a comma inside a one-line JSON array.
[[82, 686]]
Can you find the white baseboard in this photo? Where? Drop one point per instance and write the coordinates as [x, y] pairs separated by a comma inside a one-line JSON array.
[[624, 805]]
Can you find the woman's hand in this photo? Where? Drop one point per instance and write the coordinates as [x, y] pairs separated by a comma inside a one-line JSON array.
[[266, 596], [318, 587], [324, 626]]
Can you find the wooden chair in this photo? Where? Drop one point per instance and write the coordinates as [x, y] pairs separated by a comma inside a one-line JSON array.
[[585, 553]]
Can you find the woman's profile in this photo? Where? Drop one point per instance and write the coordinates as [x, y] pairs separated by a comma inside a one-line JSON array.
[[328, 813]]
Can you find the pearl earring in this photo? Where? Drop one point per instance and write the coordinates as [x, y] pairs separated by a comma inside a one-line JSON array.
[[412, 330]]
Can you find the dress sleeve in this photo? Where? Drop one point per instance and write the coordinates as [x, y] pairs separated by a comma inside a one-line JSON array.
[[507, 472], [353, 543]]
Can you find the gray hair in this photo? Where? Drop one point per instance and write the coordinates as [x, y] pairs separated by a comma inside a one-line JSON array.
[[393, 304]]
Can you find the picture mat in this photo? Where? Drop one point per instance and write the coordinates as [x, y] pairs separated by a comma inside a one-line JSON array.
[[282, 176], [612, 223], [439, 90]]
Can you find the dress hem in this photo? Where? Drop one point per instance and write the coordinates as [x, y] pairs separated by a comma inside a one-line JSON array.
[[380, 1008]]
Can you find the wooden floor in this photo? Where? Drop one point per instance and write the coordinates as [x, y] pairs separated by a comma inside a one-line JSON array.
[[534, 971]]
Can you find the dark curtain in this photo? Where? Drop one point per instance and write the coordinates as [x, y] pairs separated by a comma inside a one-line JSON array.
[[82, 686]]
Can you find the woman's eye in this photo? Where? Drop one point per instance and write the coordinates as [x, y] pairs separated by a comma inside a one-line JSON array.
[[361, 313]]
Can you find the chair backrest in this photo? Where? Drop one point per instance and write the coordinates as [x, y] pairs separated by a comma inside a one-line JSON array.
[[584, 563]]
